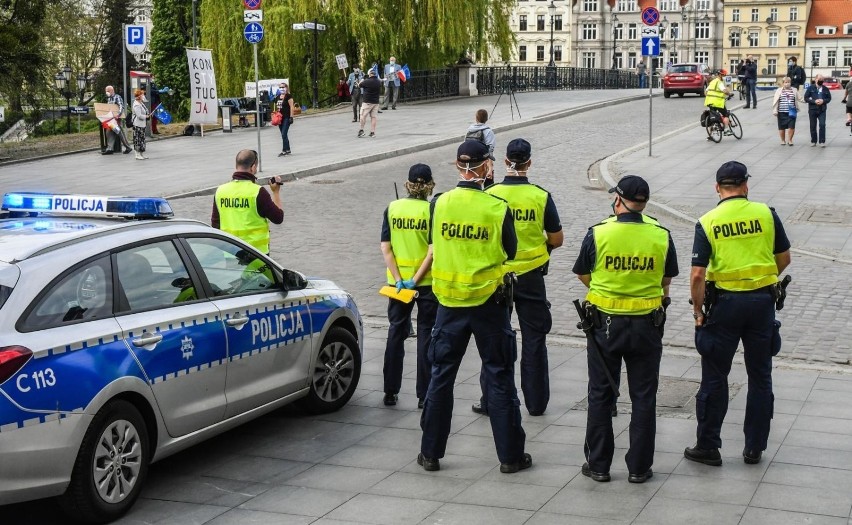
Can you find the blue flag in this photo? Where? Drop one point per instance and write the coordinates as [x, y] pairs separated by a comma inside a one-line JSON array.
[[407, 73], [375, 68], [162, 115]]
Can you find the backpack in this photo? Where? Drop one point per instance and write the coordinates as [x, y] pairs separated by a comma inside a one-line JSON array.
[[475, 135]]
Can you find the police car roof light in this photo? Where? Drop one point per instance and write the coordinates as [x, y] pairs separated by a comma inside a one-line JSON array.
[[12, 359], [87, 205]]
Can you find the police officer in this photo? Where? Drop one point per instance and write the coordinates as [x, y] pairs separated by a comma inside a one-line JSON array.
[[627, 262], [405, 247], [740, 248], [242, 208], [472, 238], [539, 231]]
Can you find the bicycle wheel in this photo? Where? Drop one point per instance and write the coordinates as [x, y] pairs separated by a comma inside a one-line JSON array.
[[714, 132], [735, 126], [741, 89]]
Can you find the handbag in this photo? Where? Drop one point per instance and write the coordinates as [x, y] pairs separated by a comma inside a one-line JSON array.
[[277, 118], [792, 112]]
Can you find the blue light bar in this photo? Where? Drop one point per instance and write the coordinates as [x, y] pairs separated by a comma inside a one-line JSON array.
[[87, 205]]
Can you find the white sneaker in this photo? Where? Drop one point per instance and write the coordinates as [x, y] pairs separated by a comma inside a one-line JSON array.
[[813, 144], [822, 145], [139, 156]]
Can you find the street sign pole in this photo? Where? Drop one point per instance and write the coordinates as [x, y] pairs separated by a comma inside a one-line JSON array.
[[650, 107], [257, 105], [650, 48], [124, 62], [253, 33]]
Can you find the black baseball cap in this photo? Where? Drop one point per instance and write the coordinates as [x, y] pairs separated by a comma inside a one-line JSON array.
[[420, 173], [472, 151], [519, 151], [632, 188], [732, 172]]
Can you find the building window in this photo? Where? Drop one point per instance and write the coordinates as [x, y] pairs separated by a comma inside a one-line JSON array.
[[825, 30], [732, 67], [702, 5], [619, 32], [675, 30], [773, 13], [590, 6], [589, 59], [735, 15], [755, 14], [702, 57], [832, 58], [753, 38], [792, 38], [522, 23], [669, 5], [590, 31], [702, 30], [539, 23], [522, 54], [631, 60], [539, 53], [619, 60], [557, 22], [794, 14], [627, 5], [736, 41], [772, 66], [632, 32], [847, 57], [773, 39], [557, 53], [847, 29], [815, 58]]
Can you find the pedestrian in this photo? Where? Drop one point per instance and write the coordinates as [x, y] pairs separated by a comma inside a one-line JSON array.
[[284, 106], [353, 82], [847, 99], [140, 121], [738, 252], [817, 97], [482, 132], [627, 262], [750, 83], [539, 231], [242, 208], [391, 82], [342, 90], [785, 106], [797, 76], [114, 98], [370, 89], [475, 236], [640, 69], [405, 247]]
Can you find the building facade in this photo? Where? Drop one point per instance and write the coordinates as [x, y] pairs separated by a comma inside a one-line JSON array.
[[531, 23], [828, 39]]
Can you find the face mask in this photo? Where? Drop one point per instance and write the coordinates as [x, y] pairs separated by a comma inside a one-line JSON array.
[[790, 64], [612, 205], [393, 62], [819, 82], [144, 99]]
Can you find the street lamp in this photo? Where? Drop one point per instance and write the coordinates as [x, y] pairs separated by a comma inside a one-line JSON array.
[[684, 17], [551, 9], [60, 81], [615, 26], [663, 24]]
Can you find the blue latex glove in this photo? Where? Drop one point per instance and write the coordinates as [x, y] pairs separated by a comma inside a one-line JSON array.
[[400, 285], [408, 284]]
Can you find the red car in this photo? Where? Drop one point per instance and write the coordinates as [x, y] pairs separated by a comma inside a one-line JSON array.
[[832, 83], [685, 78]]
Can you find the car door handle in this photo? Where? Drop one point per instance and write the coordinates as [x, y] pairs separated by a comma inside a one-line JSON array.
[[147, 339], [237, 322]]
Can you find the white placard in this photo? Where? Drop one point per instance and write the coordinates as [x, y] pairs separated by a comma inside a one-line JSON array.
[[202, 87], [341, 61], [650, 31], [253, 15], [269, 84]]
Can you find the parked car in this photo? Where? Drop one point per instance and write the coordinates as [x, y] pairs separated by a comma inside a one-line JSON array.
[[686, 78], [832, 83], [127, 336]]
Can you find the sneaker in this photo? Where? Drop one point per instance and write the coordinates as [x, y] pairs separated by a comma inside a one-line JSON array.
[[822, 145], [127, 150], [728, 133], [708, 456], [360, 132], [602, 477], [813, 144], [372, 134], [390, 400], [287, 152], [511, 468], [428, 464], [281, 154]]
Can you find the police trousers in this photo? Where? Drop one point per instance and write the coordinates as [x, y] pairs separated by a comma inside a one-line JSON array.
[[748, 317], [638, 342], [495, 340], [534, 319], [399, 315]]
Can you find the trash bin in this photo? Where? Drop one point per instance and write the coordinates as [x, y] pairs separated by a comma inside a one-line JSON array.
[[226, 118]]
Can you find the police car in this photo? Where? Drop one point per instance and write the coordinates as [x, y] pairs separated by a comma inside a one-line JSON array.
[[127, 335]]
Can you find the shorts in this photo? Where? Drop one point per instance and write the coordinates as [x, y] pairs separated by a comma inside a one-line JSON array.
[[785, 122], [721, 111], [369, 110]]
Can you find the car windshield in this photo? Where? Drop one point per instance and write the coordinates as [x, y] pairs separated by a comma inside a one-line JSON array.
[[683, 68]]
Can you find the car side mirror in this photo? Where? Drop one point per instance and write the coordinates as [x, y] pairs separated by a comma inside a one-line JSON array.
[[291, 280]]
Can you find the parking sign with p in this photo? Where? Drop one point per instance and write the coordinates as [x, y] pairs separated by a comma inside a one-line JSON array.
[[135, 39]]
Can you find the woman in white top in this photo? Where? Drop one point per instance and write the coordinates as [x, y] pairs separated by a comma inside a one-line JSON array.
[[140, 119], [785, 106]]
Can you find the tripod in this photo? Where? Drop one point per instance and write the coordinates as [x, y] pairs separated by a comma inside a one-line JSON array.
[[507, 86]]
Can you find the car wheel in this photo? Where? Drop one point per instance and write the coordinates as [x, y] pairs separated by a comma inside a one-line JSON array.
[[335, 374], [667, 94], [111, 465]]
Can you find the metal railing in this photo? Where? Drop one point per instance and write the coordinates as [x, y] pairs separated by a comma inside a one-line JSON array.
[[493, 80], [430, 83]]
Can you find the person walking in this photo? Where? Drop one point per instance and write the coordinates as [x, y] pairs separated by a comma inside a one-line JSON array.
[[627, 262], [482, 132], [473, 236], [353, 82], [817, 97], [797, 76], [370, 89], [405, 248], [785, 106], [140, 121], [739, 250], [243, 208], [391, 81], [114, 98], [640, 69], [847, 99], [750, 72], [539, 231], [284, 106]]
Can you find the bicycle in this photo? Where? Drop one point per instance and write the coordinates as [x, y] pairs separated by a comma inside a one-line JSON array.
[[715, 128], [741, 87]]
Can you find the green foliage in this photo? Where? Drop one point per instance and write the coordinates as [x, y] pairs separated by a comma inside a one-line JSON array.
[[23, 54], [171, 35], [117, 14]]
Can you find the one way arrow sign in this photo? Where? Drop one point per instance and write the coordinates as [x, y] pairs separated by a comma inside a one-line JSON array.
[[651, 46]]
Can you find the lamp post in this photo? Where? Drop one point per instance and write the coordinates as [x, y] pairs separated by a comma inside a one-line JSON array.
[[663, 24], [615, 26], [551, 9], [684, 18], [60, 81]]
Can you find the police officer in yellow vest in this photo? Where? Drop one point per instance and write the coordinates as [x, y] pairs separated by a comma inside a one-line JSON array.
[[405, 247], [741, 247], [539, 231], [627, 263], [715, 96], [242, 208], [472, 238]]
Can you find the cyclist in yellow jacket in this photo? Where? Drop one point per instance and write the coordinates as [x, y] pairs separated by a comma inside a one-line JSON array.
[[716, 94]]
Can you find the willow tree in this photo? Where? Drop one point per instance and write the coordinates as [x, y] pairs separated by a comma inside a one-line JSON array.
[[422, 33], [171, 35]]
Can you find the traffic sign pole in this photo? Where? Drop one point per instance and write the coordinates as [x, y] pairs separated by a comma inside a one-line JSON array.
[[257, 105]]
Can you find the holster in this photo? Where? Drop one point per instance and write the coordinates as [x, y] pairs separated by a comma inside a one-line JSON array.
[[711, 296], [590, 317], [506, 291], [779, 292]]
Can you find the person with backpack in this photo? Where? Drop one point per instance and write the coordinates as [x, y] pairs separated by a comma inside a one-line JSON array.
[[482, 132]]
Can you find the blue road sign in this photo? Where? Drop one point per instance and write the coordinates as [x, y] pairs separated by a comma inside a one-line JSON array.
[[251, 4], [650, 16], [253, 32], [651, 46], [135, 39], [79, 110]]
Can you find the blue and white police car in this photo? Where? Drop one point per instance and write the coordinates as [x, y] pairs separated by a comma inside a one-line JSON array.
[[127, 335]]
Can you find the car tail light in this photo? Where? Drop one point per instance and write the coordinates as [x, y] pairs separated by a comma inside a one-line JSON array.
[[12, 359]]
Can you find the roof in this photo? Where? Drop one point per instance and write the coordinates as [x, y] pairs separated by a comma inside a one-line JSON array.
[[833, 13]]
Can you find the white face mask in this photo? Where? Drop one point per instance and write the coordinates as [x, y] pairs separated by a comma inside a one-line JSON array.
[[393, 62]]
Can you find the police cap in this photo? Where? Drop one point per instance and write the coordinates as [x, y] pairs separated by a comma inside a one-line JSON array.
[[519, 151], [420, 173], [472, 151], [632, 188], [732, 172]]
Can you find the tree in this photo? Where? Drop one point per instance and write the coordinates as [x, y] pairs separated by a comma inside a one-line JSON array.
[[117, 13], [171, 35], [23, 54]]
